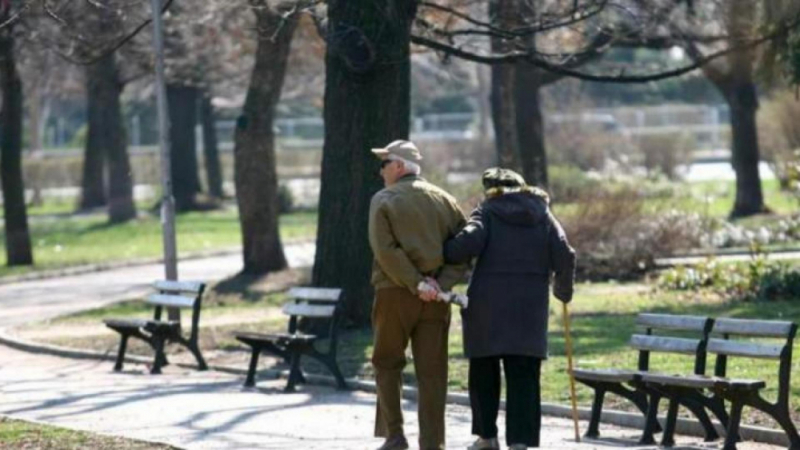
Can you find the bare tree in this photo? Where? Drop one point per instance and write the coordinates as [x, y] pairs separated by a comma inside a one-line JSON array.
[[366, 105], [364, 65], [18, 241], [255, 174]]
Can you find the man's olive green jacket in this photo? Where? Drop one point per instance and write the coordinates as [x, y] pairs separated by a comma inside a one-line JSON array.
[[408, 224]]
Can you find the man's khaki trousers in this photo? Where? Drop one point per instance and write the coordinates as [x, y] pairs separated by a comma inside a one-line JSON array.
[[397, 317]]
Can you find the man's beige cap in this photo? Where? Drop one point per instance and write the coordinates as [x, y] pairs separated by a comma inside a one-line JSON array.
[[401, 148]]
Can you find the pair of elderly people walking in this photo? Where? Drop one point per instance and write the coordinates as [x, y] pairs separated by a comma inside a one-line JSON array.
[[424, 245]]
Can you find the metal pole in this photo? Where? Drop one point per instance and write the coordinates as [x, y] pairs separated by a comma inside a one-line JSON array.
[[568, 343], [167, 202]]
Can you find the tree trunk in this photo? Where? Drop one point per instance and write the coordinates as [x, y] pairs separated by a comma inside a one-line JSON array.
[[210, 149], [743, 103], [735, 82], [530, 126], [182, 102], [367, 104], [93, 180], [254, 152], [107, 132], [18, 240], [504, 83]]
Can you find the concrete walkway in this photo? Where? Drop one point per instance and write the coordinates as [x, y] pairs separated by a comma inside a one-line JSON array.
[[42, 299], [200, 410], [193, 409]]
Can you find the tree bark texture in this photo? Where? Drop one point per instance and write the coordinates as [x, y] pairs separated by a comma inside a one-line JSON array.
[[530, 125], [734, 79], [743, 102], [255, 174], [93, 178], [504, 115], [367, 104], [18, 240], [107, 138], [182, 102], [210, 148]]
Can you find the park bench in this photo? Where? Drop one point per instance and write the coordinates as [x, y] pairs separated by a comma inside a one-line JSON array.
[[627, 382], [308, 303], [158, 332], [739, 392]]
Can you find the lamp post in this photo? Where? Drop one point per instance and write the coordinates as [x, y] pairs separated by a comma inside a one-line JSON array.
[[167, 202]]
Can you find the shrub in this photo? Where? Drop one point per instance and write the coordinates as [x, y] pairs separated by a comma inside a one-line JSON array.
[[758, 279], [615, 238], [568, 183], [663, 153], [779, 136], [587, 150]]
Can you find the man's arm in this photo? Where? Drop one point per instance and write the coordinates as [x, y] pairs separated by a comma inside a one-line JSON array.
[[390, 256], [453, 273]]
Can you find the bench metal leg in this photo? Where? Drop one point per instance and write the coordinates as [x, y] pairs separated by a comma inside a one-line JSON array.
[[195, 349], [651, 420], [785, 421], [251, 371], [779, 412], [668, 438], [340, 384], [732, 433], [597, 408], [699, 411], [160, 359], [636, 396], [295, 375], [123, 345]]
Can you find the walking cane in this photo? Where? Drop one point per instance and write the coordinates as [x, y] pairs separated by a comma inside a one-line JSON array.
[[568, 343]]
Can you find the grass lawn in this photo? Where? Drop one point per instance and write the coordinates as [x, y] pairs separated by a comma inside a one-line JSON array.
[[602, 321], [20, 434], [74, 240]]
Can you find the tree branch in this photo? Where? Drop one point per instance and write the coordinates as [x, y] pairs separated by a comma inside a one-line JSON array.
[[124, 40], [621, 77]]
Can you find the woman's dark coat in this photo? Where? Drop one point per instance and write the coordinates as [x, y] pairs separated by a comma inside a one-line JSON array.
[[519, 245]]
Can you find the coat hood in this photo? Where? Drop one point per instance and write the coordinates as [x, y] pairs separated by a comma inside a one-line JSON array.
[[520, 207]]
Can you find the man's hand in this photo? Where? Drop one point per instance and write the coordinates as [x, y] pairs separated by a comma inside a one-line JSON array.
[[429, 289]]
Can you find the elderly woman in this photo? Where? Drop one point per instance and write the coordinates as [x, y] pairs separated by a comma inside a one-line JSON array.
[[519, 245]]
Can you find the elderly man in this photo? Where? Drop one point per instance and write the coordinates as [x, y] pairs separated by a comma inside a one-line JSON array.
[[409, 221]]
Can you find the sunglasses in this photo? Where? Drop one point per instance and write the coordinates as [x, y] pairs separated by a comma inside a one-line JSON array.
[[385, 163]]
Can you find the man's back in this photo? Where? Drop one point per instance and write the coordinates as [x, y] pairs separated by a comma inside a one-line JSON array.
[[415, 217]]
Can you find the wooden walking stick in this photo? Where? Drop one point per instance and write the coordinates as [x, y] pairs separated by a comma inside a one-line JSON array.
[[568, 344]]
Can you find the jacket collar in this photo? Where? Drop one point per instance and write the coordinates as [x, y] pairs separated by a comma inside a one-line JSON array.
[[409, 177]]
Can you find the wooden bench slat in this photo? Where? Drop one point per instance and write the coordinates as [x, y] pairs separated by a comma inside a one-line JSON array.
[[701, 381], [125, 323], [189, 287], [764, 328], [664, 344], [753, 350], [273, 337], [693, 381], [175, 301], [306, 310], [611, 375], [315, 294], [672, 322]]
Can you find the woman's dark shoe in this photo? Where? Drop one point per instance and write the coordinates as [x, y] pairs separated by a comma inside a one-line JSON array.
[[394, 443], [485, 444]]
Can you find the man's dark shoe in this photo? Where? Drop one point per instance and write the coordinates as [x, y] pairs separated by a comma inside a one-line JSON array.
[[395, 443]]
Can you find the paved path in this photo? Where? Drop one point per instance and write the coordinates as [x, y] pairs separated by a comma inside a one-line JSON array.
[[43, 299], [204, 409], [199, 410]]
